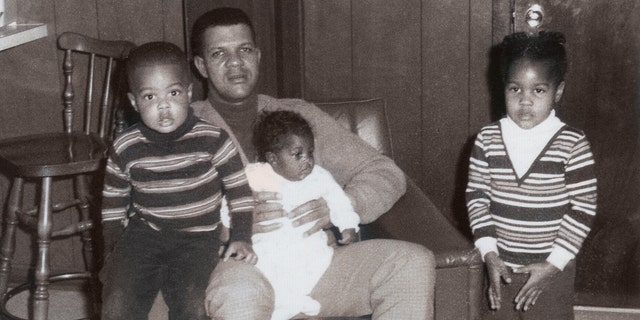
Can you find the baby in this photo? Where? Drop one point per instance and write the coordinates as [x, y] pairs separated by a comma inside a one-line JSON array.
[[292, 263]]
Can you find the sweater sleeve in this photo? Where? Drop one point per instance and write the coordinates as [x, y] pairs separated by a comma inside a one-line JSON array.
[[236, 188], [116, 191], [581, 185], [478, 193], [342, 214], [371, 180]]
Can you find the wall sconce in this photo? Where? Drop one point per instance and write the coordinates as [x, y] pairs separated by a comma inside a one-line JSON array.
[[534, 16]]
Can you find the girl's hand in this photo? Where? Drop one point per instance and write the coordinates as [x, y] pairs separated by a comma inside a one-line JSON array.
[[540, 276], [240, 250], [498, 271]]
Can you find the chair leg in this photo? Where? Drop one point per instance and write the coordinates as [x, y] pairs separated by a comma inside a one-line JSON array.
[[82, 193], [9, 235], [43, 269]]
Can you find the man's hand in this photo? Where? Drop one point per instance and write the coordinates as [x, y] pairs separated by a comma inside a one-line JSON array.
[[267, 208], [498, 271], [540, 276], [314, 210], [240, 250]]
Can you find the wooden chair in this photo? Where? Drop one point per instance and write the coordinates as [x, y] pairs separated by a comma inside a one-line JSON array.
[[69, 154]]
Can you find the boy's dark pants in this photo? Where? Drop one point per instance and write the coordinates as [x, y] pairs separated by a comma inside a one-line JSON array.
[[555, 302], [146, 261]]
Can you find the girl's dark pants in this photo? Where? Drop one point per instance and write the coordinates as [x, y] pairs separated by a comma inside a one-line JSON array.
[[555, 302]]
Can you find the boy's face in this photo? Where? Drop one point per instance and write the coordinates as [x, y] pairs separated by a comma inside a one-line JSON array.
[[161, 94], [530, 93], [295, 160], [230, 62]]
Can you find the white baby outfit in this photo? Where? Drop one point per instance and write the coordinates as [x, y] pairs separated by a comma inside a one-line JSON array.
[[293, 264]]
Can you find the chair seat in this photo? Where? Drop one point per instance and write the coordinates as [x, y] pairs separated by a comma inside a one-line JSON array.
[[53, 154]]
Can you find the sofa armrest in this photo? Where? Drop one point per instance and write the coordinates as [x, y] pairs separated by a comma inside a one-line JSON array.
[[459, 268], [415, 218], [454, 259]]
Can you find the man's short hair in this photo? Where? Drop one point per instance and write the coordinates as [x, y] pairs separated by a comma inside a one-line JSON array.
[[156, 53], [225, 16]]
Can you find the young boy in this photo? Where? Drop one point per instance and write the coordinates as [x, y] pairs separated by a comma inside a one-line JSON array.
[[531, 194], [291, 262], [165, 178]]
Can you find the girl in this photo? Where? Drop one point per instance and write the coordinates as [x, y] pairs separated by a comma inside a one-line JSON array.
[[531, 195]]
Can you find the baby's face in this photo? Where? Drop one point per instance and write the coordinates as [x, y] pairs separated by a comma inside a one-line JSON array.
[[530, 93], [295, 160], [161, 94]]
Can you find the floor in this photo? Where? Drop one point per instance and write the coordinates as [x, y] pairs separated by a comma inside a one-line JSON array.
[[63, 305], [600, 313], [68, 304]]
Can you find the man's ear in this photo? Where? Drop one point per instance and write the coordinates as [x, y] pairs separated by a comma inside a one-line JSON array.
[[200, 65], [132, 99], [190, 91], [559, 92]]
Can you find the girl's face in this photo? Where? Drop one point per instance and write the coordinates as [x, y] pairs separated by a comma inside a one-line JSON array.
[[530, 93], [295, 160]]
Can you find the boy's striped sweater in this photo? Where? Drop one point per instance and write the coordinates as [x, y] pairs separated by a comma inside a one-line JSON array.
[[176, 180]]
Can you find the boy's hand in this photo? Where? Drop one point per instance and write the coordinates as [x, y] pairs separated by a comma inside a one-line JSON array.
[[267, 208], [240, 250], [497, 271], [310, 211], [348, 236], [540, 276]]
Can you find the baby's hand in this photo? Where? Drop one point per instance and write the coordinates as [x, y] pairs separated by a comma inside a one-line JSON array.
[[348, 236], [240, 250]]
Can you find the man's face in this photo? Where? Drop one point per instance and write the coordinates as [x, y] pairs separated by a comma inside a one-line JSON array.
[[230, 62]]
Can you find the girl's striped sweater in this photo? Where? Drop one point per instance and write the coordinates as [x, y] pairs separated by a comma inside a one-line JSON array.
[[547, 211]]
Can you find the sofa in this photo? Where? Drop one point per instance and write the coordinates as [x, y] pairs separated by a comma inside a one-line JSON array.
[[414, 218]]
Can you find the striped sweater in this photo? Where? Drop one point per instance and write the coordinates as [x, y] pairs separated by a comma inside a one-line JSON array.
[[177, 180], [546, 212]]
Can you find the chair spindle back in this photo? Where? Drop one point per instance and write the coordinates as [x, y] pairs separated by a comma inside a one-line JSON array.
[[110, 52]]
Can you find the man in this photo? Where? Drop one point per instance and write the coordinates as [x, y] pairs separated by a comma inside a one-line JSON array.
[[386, 278]]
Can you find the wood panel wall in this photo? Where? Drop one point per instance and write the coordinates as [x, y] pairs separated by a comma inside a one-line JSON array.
[[32, 80], [428, 59]]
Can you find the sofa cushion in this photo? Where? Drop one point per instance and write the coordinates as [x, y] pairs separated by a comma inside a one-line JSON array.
[[366, 118]]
